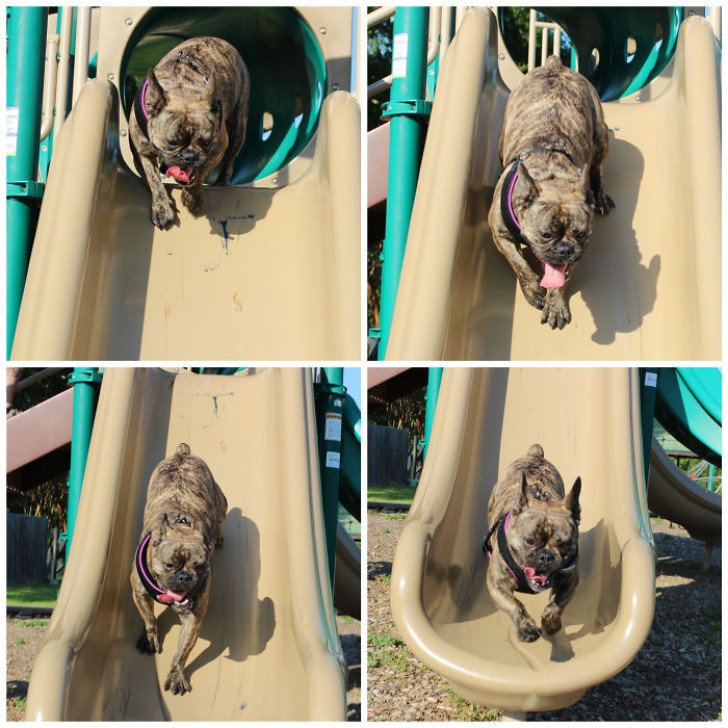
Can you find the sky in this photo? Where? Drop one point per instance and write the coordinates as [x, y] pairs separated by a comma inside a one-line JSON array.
[[352, 382]]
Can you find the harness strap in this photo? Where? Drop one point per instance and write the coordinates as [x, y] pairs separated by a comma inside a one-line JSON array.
[[140, 108], [140, 559]]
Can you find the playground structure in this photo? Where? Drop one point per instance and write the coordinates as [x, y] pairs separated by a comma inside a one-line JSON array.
[[270, 271], [271, 608], [439, 598], [653, 264]]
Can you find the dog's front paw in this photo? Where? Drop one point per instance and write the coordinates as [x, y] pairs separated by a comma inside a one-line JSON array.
[[555, 311], [527, 630], [163, 213], [603, 203], [148, 642], [192, 198], [533, 293], [551, 621], [176, 682]]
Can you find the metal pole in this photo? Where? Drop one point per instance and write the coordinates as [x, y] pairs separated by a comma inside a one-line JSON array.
[[407, 109], [26, 29], [85, 382], [330, 394], [434, 377]]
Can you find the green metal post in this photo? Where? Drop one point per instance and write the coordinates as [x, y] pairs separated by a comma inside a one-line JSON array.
[[408, 110], [648, 396], [26, 37], [434, 377], [330, 395], [85, 381]]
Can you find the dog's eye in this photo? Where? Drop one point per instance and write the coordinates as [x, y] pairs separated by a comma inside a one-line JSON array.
[[169, 567], [580, 235], [545, 236], [529, 541]]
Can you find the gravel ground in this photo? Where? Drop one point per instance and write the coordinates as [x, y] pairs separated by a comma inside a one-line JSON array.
[[24, 638], [676, 675]]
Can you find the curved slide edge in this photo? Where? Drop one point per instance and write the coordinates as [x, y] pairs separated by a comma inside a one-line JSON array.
[[674, 496], [270, 610], [439, 599], [653, 263]]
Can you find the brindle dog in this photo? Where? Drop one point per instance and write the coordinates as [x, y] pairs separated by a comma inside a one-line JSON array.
[[533, 541], [554, 142], [189, 116]]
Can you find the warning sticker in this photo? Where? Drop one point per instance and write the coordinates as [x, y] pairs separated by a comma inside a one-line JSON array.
[[332, 431], [399, 55], [333, 460], [650, 379], [12, 117]]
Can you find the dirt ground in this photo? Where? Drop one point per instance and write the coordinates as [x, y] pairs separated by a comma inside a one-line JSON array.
[[675, 676], [24, 637]]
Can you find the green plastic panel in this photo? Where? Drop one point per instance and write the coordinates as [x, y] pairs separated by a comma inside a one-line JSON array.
[[287, 70], [688, 407]]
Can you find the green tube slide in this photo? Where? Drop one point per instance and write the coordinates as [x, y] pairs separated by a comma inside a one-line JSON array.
[[689, 407]]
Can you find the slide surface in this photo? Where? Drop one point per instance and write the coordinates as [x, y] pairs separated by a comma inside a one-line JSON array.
[[268, 649], [485, 419], [265, 273], [653, 264]]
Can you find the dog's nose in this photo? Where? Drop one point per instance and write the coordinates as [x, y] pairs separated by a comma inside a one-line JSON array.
[[545, 560], [564, 251], [184, 577], [189, 157]]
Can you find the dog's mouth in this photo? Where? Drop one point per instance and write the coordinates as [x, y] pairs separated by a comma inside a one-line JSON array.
[[537, 582], [554, 276], [171, 597], [181, 176]]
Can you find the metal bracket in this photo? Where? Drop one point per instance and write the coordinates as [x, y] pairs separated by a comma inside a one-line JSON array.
[[31, 190], [414, 107]]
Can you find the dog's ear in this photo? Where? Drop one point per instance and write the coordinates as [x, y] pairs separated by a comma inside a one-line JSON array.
[[160, 530], [572, 501], [522, 497], [155, 98], [526, 190]]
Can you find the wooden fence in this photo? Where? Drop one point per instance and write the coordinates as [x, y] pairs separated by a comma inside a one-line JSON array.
[[387, 454], [27, 548]]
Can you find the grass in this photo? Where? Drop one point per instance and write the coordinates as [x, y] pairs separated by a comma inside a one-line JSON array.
[[386, 650], [393, 493], [34, 623], [32, 595]]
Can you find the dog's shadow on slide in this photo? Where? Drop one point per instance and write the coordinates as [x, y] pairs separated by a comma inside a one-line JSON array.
[[237, 620]]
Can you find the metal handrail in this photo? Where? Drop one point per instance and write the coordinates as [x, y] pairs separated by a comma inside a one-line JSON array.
[[50, 77]]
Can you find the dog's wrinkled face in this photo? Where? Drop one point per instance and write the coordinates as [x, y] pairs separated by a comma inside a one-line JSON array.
[[179, 557], [187, 131], [543, 534], [555, 215]]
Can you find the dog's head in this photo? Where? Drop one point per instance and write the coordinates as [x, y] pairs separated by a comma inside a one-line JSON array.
[[555, 214], [543, 533], [179, 555], [186, 128]]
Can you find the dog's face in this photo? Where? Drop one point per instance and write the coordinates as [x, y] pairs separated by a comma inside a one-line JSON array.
[[555, 215], [187, 130], [543, 533], [179, 556]]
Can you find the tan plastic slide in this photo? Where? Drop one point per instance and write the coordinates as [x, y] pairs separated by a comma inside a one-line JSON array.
[[268, 649], [673, 495], [649, 285], [271, 271], [588, 421]]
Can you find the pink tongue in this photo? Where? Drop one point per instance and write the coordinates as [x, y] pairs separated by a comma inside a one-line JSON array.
[[531, 574], [554, 276], [170, 597], [179, 175]]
